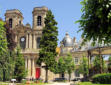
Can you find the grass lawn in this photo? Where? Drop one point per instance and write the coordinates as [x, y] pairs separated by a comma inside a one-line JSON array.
[[33, 84], [3, 83], [89, 83]]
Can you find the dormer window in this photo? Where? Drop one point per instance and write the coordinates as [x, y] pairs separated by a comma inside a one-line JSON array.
[[39, 21], [10, 22]]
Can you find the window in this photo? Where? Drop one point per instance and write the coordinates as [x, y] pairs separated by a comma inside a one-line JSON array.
[[39, 21], [23, 42], [10, 22], [19, 22], [38, 42], [77, 74], [76, 60]]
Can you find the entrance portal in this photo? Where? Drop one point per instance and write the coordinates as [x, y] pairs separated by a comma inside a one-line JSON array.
[[37, 73]]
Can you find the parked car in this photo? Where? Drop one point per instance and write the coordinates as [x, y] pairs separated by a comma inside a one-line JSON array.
[[76, 79], [59, 79]]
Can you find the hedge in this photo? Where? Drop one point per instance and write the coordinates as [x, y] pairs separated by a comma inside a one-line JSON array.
[[104, 78]]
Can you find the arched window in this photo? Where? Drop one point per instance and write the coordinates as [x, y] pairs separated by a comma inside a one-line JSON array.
[[38, 42], [10, 22], [20, 22], [23, 42], [39, 21]]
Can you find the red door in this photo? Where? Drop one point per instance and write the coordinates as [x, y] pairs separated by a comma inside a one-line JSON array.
[[37, 73]]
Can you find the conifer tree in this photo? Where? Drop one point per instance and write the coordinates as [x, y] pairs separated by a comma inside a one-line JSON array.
[[48, 42]]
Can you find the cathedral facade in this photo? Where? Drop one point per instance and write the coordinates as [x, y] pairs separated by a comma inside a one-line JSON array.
[[28, 38]]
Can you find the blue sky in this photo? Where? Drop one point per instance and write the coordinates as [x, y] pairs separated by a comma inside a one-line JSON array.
[[66, 12]]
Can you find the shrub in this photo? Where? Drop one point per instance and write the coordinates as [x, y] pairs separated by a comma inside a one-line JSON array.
[[24, 81], [104, 78]]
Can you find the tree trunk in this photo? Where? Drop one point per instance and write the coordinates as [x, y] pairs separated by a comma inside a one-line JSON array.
[[89, 61], [4, 75], [69, 77], [101, 70], [46, 75], [85, 77]]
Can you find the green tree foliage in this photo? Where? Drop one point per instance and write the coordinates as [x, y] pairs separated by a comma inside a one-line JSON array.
[[97, 66], [95, 21], [48, 42], [10, 35], [4, 58], [10, 38], [19, 71], [69, 63], [61, 68], [83, 68], [65, 65], [109, 64]]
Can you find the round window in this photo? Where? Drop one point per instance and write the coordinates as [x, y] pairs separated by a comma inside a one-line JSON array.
[[22, 39]]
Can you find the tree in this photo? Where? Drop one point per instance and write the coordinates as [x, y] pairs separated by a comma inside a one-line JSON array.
[[19, 71], [61, 66], [97, 65], [83, 68], [109, 64], [4, 58], [10, 35], [65, 65], [10, 38], [48, 42], [95, 20], [69, 63]]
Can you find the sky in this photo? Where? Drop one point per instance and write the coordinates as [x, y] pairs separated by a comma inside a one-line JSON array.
[[66, 12]]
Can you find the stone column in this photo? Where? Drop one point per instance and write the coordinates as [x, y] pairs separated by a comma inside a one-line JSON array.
[[34, 44], [26, 63], [30, 41], [27, 41], [16, 38], [33, 68], [29, 67], [42, 71]]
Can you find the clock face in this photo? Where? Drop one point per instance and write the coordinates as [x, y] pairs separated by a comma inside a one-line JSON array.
[[22, 39]]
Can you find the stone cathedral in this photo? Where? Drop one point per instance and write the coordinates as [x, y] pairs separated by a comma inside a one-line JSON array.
[[28, 38]]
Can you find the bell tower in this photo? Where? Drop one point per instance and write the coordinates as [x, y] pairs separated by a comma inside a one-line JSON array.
[[13, 17], [39, 13]]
